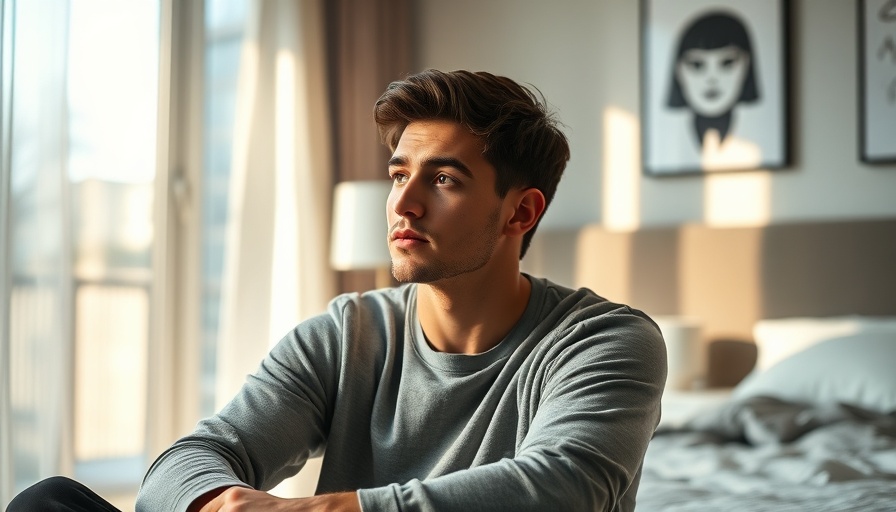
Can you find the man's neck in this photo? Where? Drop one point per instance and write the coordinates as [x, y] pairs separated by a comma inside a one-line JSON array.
[[470, 315]]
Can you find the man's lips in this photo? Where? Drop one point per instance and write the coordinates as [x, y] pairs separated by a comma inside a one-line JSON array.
[[407, 238], [407, 234]]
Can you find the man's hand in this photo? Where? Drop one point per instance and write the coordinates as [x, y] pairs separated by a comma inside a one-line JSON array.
[[241, 499]]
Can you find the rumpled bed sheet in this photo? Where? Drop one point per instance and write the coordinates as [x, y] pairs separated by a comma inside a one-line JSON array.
[[766, 454]]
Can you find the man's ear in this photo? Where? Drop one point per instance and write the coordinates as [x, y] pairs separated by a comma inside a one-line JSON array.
[[529, 205]]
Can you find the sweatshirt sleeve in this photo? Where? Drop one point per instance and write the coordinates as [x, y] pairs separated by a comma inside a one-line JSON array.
[[266, 433], [595, 403]]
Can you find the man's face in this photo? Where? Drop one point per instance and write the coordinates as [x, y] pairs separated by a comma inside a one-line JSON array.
[[711, 80], [444, 215]]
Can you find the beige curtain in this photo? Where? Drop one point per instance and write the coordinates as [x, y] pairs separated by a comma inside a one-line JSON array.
[[276, 267], [369, 46]]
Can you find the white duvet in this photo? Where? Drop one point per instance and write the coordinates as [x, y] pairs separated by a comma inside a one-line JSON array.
[[764, 454]]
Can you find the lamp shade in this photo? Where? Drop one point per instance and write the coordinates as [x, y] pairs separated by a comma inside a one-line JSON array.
[[358, 240], [686, 355]]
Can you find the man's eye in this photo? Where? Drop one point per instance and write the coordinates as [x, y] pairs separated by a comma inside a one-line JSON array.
[[398, 177], [443, 179]]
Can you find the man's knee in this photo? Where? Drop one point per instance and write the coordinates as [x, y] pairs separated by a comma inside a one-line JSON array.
[[50, 495]]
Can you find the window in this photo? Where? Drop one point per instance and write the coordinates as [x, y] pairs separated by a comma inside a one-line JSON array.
[[79, 231], [112, 84], [80, 88]]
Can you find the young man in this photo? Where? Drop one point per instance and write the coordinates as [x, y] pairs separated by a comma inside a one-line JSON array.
[[469, 387]]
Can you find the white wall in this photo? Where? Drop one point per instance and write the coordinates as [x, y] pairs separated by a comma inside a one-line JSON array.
[[583, 55]]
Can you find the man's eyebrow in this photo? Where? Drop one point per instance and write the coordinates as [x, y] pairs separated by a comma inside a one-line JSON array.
[[436, 161], [448, 161], [397, 160]]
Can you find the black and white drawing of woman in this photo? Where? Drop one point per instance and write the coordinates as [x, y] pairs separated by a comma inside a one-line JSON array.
[[714, 71]]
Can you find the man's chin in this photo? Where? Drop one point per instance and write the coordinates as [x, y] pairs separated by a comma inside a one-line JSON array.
[[416, 274], [404, 277]]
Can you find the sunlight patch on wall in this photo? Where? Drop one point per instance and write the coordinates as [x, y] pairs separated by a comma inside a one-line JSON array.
[[737, 199], [622, 170], [734, 153]]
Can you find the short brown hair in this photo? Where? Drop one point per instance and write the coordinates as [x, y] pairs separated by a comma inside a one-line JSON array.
[[521, 137]]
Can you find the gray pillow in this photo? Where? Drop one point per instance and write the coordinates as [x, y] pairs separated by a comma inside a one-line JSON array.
[[858, 370]]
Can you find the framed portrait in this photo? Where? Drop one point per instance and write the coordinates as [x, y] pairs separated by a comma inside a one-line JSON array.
[[877, 80], [714, 85]]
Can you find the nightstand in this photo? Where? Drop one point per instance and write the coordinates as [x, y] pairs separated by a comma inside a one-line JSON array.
[[681, 405]]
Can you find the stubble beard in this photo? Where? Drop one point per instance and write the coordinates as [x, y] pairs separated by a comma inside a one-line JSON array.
[[430, 272]]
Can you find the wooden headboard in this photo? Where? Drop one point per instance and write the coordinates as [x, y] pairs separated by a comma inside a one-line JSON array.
[[728, 278]]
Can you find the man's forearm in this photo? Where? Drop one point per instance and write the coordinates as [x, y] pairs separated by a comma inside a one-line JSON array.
[[202, 501], [337, 502], [228, 498]]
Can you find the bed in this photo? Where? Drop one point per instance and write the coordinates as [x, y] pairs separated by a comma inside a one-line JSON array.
[[809, 418], [812, 427]]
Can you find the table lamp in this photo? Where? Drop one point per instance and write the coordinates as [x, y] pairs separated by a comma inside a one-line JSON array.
[[358, 239]]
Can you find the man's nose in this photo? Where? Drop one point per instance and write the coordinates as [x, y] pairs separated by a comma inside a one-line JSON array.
[[406, 199]]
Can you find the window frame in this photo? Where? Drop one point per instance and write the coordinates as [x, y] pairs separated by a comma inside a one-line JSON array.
[[175, 351]]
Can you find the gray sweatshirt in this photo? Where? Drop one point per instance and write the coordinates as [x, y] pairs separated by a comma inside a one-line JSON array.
[[555, 417]]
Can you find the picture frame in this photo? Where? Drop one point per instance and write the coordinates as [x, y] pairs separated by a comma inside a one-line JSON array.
[[714, 86], [877, 80]]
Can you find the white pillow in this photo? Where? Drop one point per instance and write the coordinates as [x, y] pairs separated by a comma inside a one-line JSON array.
[[858, 370], [777, 339]]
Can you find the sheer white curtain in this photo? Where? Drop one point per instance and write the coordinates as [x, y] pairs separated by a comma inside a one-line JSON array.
[[276, 269], [35, 327]]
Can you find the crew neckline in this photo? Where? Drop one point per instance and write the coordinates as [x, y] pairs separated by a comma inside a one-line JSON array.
[[470, 363]]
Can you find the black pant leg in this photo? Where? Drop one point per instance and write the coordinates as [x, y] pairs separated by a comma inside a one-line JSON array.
[[59, 494]]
